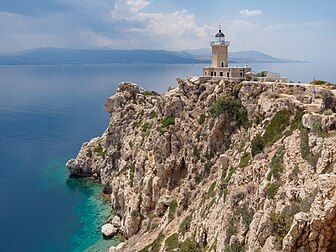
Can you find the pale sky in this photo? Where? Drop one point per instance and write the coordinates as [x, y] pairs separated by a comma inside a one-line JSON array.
[[296, 29]]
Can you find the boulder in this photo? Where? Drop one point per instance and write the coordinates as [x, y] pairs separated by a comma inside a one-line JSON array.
[[308, 120], [116, 222], [109, 230], [117, 248]]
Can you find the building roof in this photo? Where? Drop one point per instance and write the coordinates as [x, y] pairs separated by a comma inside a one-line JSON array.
[[220, 34]]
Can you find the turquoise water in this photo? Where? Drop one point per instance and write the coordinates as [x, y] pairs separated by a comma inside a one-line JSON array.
[[90, 214], [46, 113]]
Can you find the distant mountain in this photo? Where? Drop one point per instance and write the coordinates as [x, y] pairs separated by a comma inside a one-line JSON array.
[[241, 57], [57, 56]]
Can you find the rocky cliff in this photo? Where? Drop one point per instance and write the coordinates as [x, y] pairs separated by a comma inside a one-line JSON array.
[[219, 166]]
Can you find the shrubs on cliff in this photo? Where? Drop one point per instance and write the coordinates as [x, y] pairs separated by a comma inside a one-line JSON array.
[[304, 148], [185, 225], [155, 245], [273, 132], [245, 160], [172, 243], [172, 210], [278, 124], [280, 224], [257, 145], [272, 189], [165, 123], [276, 164], [233, 107], [201, 118]]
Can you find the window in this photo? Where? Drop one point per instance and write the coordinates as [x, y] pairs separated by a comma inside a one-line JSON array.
[[205, 73], [214, 73], [241, 74], [228, 74], [221, 73], [211, 74], [222, 64]]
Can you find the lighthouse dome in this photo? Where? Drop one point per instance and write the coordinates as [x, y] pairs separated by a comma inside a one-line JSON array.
[[220, 34]]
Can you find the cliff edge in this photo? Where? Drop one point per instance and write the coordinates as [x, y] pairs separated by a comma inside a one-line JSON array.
[[219, 166]]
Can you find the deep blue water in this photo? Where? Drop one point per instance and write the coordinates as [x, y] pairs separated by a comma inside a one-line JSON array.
[[46, 113]]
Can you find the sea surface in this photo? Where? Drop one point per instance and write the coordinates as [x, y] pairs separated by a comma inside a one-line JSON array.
[[46, 113]]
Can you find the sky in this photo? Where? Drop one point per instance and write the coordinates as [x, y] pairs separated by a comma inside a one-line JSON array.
[[295, 29]]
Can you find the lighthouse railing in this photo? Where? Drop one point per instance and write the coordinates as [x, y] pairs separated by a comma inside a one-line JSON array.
[[213, 43]]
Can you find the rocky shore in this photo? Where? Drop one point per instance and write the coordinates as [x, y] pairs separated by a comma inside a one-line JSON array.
[[218, 166]]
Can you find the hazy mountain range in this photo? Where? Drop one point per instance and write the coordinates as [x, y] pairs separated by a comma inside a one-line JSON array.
[[57, 56]]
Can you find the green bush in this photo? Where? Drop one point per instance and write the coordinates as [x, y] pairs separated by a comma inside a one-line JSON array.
[[196, 152], [273, 132], [297, 121], [135, 214], [153, 114], [132, 171], [234, 247], [280, 224], [257, 145], [189, 245], [207, 168], [185, 202], [225, 193], [233, 107], [231, 229], [201, 119], [261, 74], [304, 148], [146, 126], [185, 225], [155, 245], [211, 153], [169, 120], [211, 190], [172, 243], [172, 209], [318, 82], [247, 215], [272, 189], [136, 124], [100, 150], [278, 124], [165, 123], [89, 153], [318, 129], [230, 173], [276, 164], [245, 160], [150, 93]]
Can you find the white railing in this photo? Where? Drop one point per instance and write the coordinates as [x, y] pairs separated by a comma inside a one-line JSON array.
[[220, 43]]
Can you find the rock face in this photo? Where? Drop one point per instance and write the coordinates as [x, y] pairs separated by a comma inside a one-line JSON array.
[[218, 166]]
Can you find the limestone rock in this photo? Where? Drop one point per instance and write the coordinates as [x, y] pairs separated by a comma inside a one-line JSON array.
[[109, 230], [116, 221], [308, 120], [118, 248]]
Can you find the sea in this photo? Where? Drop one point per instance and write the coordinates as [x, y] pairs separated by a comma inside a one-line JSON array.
[[46, 113]]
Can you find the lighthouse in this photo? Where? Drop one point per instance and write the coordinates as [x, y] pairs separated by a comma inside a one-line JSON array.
[[220, 68], [220, 50]]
